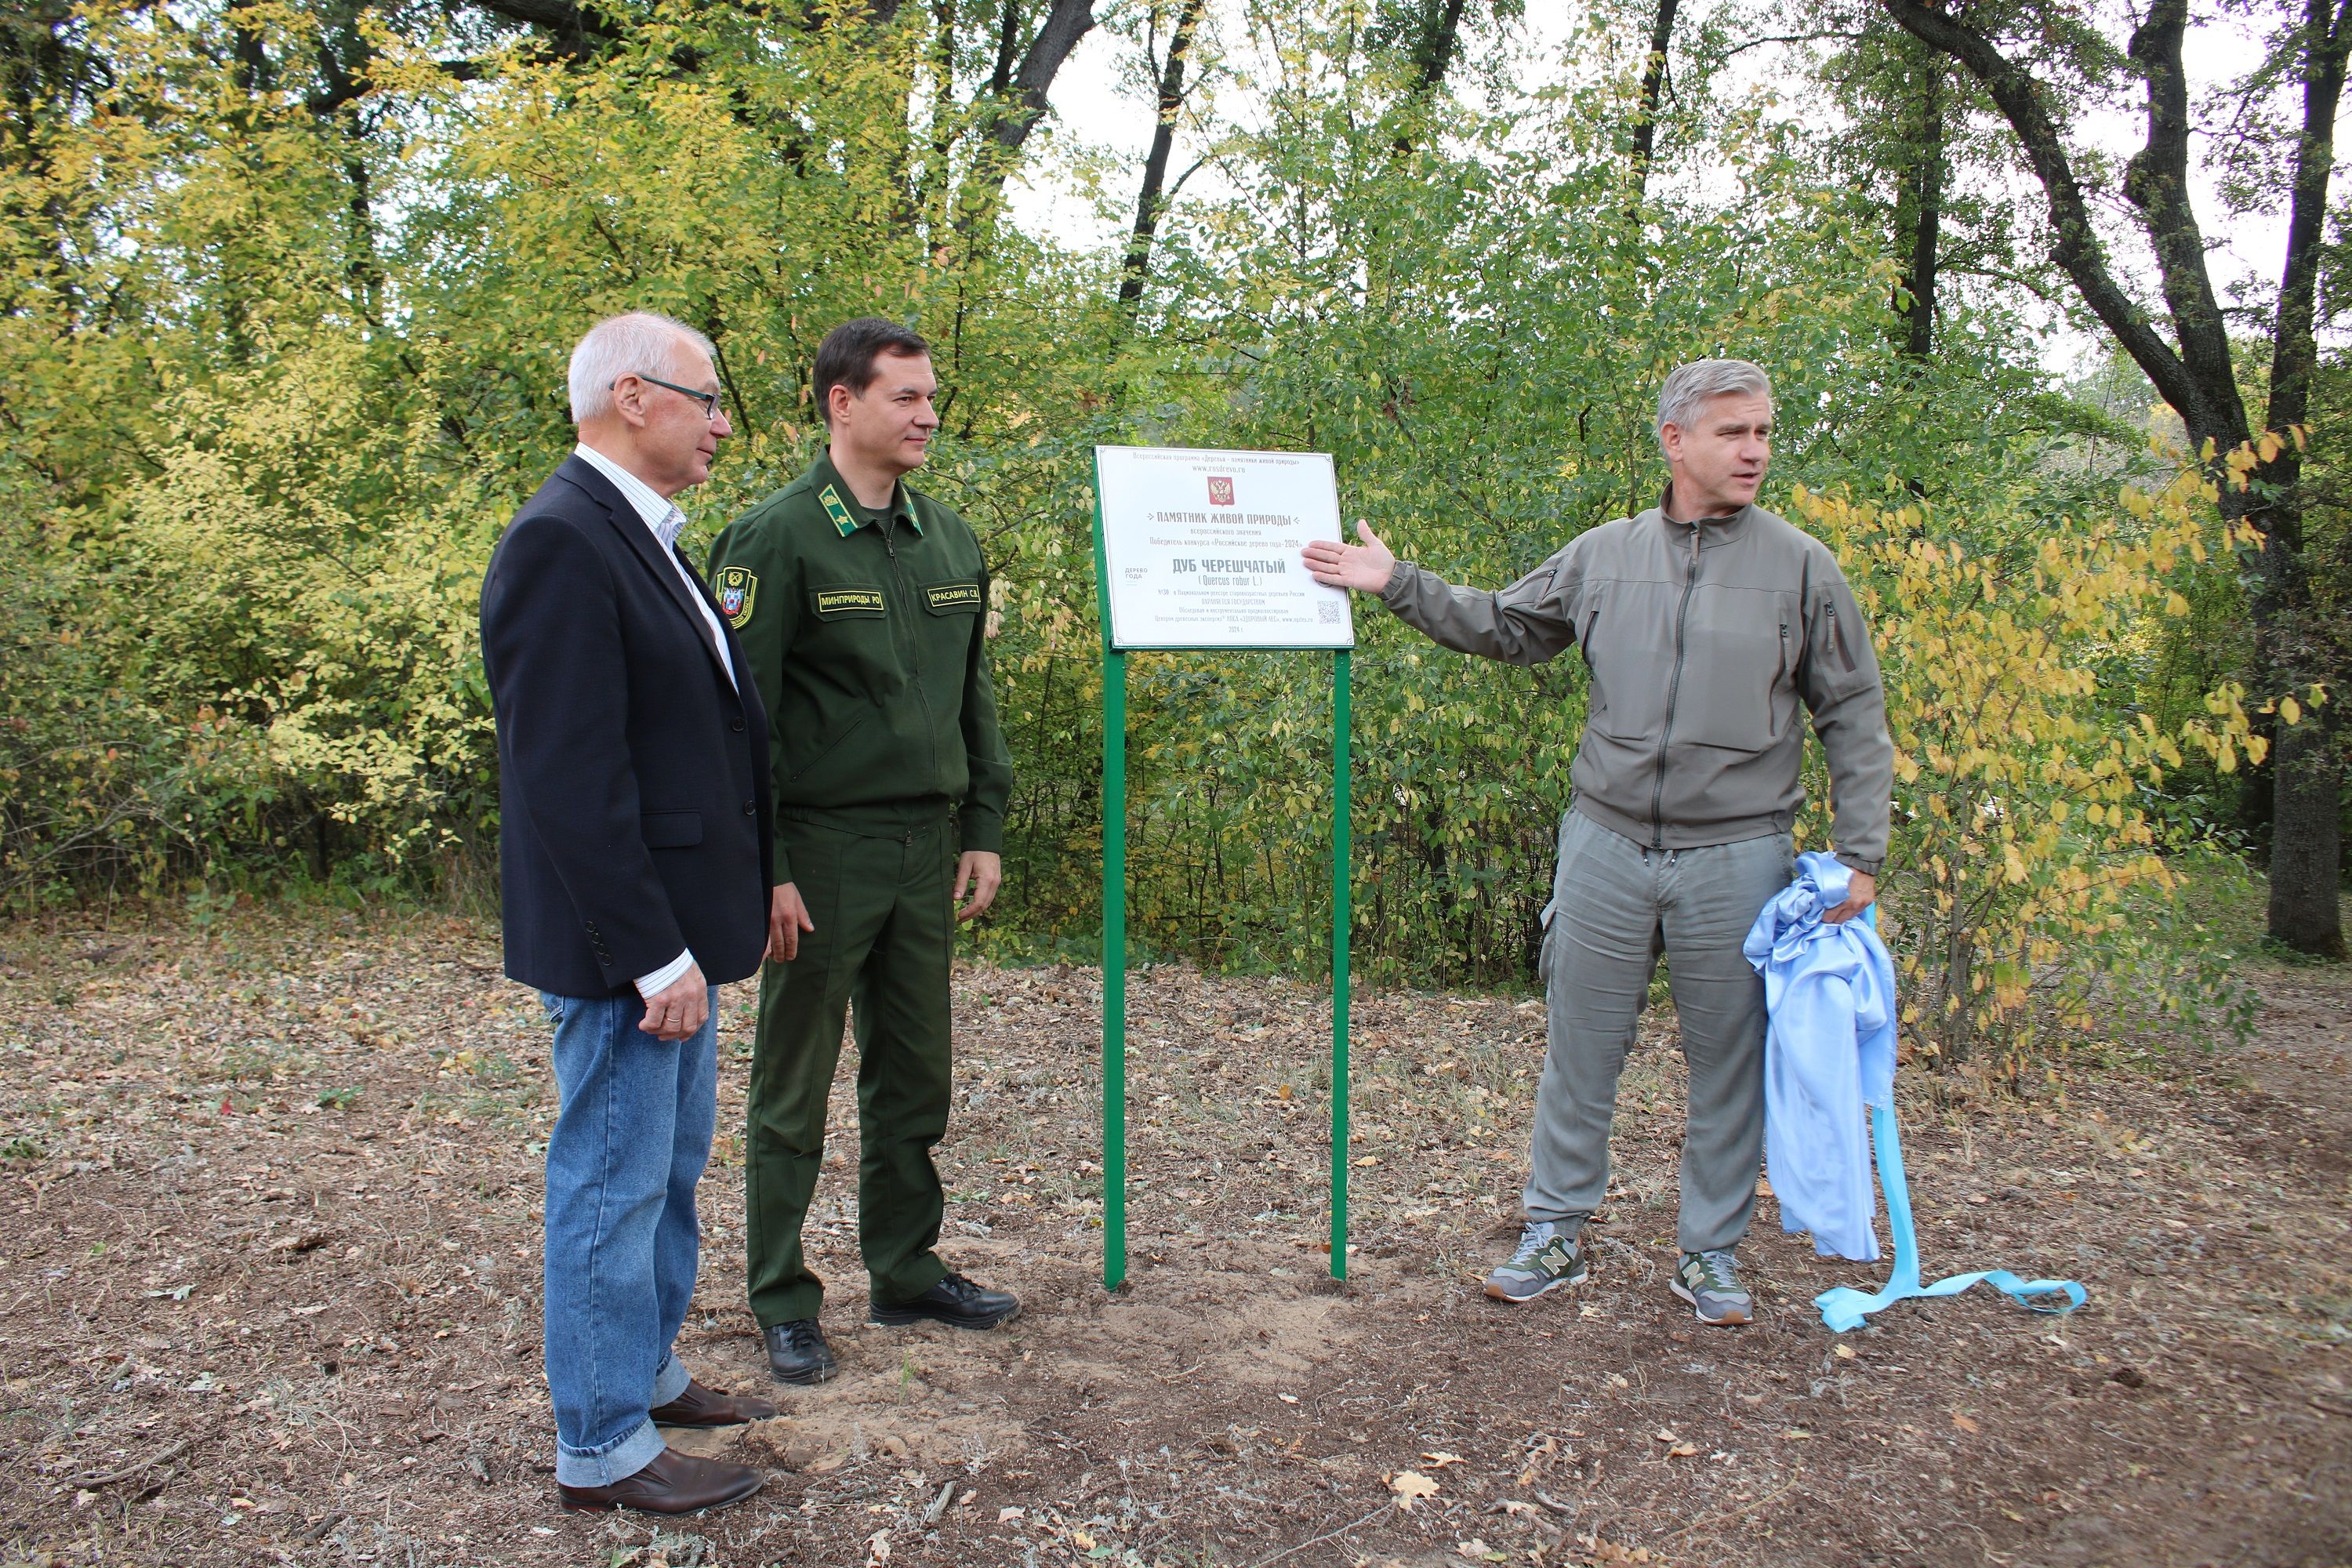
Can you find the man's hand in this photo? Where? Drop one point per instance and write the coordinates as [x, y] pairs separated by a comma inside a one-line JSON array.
[[787, 918], [677, 1011], [1860, 894], [1365, 567], [983, 871]]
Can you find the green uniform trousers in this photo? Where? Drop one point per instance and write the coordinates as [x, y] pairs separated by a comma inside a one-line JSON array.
[[885, 936]]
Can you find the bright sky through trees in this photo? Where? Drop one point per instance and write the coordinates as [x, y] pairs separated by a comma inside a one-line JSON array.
[[1082, 192]]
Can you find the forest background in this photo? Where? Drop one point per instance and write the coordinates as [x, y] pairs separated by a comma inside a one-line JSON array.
[[289, 288]]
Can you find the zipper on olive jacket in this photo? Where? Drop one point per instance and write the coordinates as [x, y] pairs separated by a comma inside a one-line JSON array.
[[1674, 690], [913, 643]]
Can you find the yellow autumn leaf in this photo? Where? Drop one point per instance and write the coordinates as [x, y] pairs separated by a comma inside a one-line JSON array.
[[1411, 1487]]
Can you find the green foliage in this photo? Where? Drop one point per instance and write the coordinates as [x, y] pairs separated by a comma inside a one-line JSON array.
[[283, 359]]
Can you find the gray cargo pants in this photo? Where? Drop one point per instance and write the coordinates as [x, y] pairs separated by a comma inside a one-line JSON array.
[[1615, 906]]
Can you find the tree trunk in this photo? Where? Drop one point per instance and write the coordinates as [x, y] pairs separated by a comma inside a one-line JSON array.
[[1430, 56], [2305, 912], [1066, 21], [1653, 88], [1136, 267], [2306, 825], [1926, 220], [2200, 380]]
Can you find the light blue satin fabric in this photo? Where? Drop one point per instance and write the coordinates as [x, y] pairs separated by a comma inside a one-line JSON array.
[[1819, 1099], [1829, 1052]]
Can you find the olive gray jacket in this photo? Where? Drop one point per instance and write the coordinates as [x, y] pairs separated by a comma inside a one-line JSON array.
[[1701, 639]]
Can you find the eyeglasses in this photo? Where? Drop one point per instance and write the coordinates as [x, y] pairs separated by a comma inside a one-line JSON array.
[[709, 400]]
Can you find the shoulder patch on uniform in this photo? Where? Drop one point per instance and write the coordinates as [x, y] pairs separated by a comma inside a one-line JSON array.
[[737, 589], [830, 499]]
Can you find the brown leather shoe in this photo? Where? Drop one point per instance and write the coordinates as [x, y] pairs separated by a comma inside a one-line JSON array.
[[701, 1406], [672, 1483]]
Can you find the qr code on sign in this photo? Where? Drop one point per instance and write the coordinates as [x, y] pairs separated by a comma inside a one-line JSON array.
[[1328, 614]]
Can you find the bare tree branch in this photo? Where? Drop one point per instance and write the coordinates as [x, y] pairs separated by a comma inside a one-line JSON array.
[[1653, 83], [1066, 24], [1137, 265], [2156, 182], [2207, 411]]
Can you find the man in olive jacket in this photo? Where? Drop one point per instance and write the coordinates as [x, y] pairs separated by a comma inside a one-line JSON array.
[[1705, 622], [861, 607]]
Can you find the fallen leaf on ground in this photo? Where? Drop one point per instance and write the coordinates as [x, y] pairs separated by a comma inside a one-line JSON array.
[[1441, 1461], [1411, 1487], [1964, 1424]]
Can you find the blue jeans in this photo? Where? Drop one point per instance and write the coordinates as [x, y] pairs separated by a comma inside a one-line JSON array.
[[631, 1139]]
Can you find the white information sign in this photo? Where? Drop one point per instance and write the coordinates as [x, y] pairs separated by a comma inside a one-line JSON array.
[[1200, 549]]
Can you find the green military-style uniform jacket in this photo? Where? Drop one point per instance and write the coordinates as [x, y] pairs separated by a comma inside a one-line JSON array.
[[869, 643], [868, 639]]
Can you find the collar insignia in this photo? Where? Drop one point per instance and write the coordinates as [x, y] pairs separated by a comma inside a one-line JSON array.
[[842, 521]]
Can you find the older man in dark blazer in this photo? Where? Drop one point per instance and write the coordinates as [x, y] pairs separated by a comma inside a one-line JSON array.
[[633, 840]]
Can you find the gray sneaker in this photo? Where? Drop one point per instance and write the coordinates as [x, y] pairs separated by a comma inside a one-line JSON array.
[[1545, 1258], [1709, 1281]]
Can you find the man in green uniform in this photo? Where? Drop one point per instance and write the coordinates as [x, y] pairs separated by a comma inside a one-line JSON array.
[[862, 608]]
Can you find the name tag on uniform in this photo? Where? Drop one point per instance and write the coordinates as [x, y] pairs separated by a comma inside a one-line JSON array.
[[833, 603], [946, 596]]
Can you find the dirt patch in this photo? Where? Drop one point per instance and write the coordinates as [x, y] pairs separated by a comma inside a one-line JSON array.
[[271, 1294]]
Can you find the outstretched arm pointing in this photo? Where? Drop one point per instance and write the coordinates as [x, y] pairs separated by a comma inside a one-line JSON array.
[[1365, 567]]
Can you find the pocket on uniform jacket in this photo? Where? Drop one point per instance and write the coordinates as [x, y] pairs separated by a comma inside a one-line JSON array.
[[825, 747], [670, 829]]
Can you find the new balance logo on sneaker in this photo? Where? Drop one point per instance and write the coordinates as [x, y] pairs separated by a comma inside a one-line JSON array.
[[1546, 1259], [1709, 1281]]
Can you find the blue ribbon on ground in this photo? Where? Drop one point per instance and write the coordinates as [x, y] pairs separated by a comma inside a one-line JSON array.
[[1844, 1307]]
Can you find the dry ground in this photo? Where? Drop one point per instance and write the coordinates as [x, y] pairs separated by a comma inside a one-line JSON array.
[[271, 1294]]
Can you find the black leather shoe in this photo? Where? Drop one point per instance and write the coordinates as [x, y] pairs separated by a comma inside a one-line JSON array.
[[954, 1300], [672, 1483], [797, 1352]]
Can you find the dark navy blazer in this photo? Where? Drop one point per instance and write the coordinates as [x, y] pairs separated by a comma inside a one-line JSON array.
[[634, 816]]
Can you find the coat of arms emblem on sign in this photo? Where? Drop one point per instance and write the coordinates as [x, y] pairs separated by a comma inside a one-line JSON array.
[[1220, 490]]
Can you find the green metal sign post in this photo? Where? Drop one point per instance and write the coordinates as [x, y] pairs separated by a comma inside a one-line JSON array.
[[1114, 939]]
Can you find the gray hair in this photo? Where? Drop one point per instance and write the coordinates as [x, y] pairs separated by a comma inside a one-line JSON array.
[[632, 345], [1690, 388]]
